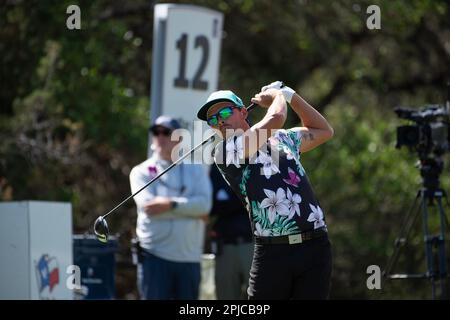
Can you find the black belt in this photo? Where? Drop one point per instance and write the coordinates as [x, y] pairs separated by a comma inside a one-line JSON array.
[[293, 238]]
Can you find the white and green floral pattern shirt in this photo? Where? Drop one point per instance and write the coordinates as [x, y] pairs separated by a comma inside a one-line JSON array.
[[272, 185]]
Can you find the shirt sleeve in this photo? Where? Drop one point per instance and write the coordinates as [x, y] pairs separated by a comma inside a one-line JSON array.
[[296, 136], [137, 181]]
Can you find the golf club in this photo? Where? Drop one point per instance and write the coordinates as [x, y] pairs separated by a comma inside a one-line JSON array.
[[101, 229]]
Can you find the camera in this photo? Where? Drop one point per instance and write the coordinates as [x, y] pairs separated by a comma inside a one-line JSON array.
[[429, 135]]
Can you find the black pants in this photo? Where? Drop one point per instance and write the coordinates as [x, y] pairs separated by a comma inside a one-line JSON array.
[[299, 271]]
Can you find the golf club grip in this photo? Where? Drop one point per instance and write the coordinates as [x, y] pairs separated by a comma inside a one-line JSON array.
[[252, 106]]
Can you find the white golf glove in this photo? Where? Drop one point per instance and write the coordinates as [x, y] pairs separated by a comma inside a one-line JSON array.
[[287, 92]]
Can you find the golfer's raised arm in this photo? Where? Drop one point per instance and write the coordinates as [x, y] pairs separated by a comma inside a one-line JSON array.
[[316, 129], [274, 119]]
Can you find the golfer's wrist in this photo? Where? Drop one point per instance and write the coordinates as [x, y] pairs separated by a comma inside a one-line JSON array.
[[288, 93]]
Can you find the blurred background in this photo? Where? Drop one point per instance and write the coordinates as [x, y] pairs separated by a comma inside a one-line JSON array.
[[74, 112]]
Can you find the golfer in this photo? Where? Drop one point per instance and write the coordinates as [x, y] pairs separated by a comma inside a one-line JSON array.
[[262, 164]]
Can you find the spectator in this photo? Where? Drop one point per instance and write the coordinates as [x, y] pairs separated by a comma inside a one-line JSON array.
[[170, 223]]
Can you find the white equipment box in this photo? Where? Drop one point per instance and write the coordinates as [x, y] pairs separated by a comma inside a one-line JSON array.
[[35, 250]]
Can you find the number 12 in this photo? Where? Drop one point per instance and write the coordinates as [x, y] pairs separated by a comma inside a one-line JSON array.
[[197, 83]]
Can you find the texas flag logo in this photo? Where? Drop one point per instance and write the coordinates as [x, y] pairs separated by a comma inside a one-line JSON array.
[[47, 273]]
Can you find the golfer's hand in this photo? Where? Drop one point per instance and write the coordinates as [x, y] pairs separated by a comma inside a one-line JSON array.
[[157, 206], [264, 99], [287, 92], [273, 85]]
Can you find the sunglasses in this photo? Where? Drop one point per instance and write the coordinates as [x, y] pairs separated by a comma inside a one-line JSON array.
[[223, 113], [161, 131]]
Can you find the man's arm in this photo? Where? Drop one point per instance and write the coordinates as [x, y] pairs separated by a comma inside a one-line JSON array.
[[137, 181], [316, 129], [274, 119], [153, 205], [196, 204]]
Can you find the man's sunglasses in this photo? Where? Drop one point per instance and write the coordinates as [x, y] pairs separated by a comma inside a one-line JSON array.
[[161, 131], [224, 113]]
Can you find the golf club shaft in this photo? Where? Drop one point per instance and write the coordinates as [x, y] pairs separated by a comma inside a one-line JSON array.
[[249, 108], [252, 106], [159, 175]]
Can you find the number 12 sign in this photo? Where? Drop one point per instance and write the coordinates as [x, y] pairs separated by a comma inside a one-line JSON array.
[[186, 56]]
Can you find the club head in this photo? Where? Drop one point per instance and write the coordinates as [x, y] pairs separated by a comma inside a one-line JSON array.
[[101, 230]]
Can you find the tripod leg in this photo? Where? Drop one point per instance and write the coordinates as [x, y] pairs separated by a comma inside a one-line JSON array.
[[442, 256], [428, 244], [448, 206], [407, 223]]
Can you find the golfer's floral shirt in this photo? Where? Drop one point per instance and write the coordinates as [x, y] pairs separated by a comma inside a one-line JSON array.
[[272, 184]]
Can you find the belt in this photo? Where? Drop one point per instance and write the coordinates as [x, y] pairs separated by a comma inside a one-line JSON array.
[[293, 238]]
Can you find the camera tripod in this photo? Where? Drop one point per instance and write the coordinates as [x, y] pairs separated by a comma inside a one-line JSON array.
[[428, 196]]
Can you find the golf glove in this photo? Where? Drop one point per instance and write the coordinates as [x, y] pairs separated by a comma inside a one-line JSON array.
[[287, 92]]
